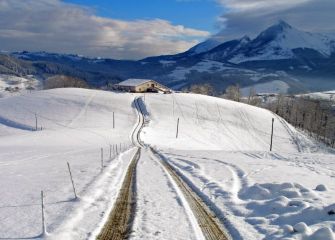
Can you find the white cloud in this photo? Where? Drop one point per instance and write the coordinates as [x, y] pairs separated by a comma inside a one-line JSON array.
[[52, 25], [270, 5], [252, 16]]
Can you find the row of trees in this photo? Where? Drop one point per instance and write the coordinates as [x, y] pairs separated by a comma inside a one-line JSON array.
[[232, 92], [62, 81], [315, 116]]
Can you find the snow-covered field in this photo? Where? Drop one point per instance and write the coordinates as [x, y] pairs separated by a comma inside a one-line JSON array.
[[328, 95], [76, 124], [269, 87], [222, 151]]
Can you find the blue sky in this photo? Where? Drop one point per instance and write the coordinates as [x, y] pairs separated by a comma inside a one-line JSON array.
[[200, 14]]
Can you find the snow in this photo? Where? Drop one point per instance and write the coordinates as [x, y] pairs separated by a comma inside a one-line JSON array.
[[276, 86], [76, 124], [133, 82], [328, 95], [151, 221], [222, 151], [207, 45], [12, 85], [204, 66], [167, 63], [286, 38]]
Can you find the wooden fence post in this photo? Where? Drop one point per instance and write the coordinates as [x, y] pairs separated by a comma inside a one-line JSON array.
[[73, 188], [110, 152], [102, 159], [43, 218], [177, 128], [35, 121], [113, 120], [271, 135]]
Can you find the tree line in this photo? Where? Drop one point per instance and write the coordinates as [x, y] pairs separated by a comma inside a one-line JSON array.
[[314, 116]]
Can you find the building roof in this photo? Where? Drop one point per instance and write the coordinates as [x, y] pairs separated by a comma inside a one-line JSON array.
[[132, 82]]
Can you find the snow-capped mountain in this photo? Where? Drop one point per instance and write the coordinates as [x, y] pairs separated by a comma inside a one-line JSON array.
[[279, 42], [207, 45], [280, 59]]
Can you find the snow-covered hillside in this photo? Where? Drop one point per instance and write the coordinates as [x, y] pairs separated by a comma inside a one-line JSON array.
[[207, 45], [222, 152], [328, 95], [76, 124], [12, 85]]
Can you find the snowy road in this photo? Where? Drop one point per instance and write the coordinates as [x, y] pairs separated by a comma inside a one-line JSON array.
[[160, 212], [166, 207]]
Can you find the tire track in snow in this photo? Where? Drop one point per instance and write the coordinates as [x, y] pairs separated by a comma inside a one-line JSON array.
[[210, 226], [117, 226], [83, 110], [161, 211]]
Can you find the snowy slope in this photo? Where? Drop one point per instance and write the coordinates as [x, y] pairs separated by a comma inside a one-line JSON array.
[[12, 85], [222, 150], [76, 124], [207, 45], [220, 125]]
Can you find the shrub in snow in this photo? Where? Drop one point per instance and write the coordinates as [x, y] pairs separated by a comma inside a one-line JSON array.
[[330, 210], [301, 228], [323, 234], [321, 188]]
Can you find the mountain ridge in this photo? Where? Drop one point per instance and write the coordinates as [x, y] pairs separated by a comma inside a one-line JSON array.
[[299, 60]]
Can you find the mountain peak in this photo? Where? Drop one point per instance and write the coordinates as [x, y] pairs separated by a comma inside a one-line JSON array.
[[283, 24], [279, 27], [245, 38], [274, 31]]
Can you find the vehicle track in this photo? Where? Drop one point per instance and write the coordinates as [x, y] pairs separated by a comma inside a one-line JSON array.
[[135, 137], [210, 226], [119, 221], [118, 224]]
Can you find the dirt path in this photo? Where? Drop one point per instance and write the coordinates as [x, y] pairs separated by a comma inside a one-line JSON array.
[[118, 224]]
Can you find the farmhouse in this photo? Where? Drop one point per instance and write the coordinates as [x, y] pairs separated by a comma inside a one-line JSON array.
[[142, 85]]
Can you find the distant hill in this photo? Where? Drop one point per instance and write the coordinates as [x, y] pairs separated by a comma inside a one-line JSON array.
[[280, 59]]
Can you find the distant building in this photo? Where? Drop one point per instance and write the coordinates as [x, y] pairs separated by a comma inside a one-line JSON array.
[[142, 85]]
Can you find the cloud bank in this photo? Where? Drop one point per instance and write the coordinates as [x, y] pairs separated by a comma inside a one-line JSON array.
[[55, 26], [249, 17]]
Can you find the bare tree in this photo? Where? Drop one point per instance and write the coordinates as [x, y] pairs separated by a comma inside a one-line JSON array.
[[205, 89], [252, 98], [62, 81], [233, 92], [315, 116]]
